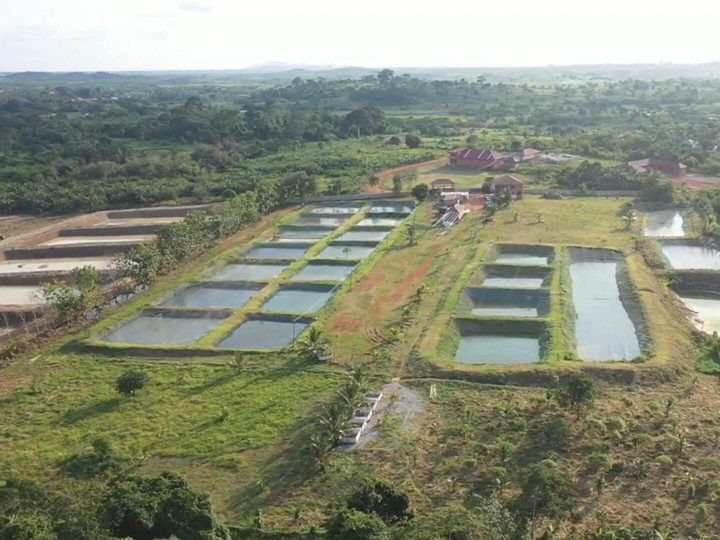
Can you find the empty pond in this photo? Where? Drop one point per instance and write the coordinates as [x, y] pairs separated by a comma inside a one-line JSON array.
[[664, 223], [330, 272], [294, 299], [276, 251], [115, 239], [52, 265], [373, 236], [498, 349], [210, 296], [379, 221], [242, 271], [345, 252], [707, 310], [158, 329], [18, 295], [603, 328], [690, 256], [263, 334], [524, 259]]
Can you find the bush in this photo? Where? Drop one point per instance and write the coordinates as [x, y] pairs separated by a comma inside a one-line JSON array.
[[130, 382], [664, 461], [599, 461], [159, 507], [383, 499], [546, 491], [412, 141], [576, 393], [420, 192], [356, 525], [615, 423], [556, 433]]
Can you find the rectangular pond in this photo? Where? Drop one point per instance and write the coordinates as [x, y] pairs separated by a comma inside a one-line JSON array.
[[498, 349], [19, 295], [603, 328], [334, 251], [276, 251], [347, 209], [488, 302], [162, 329], [707, 312], [691, 255], [313, 233], [324, 271], [115, 239], [513, 282], [53, 265], [299, 298], [207, 295], [264, 334], [380, 222], [391, 208], [664, 223], [523, 259], [326, 221], [363, 235], [242, 271]]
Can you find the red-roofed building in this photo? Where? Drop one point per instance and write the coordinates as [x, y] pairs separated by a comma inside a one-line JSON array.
[[481, 159], [665, 166]]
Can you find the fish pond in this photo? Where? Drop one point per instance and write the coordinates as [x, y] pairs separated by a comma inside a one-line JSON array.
[[499, 342], [691, 255], [664, 223], [299, 298], [336, 251], [319, 271], [242, 271], [277, 251], [487, 302], [603, 328], [348, 209], [363, 235], [163, 329], [707, 311], [212, 295], [380, 222], [264, 334]]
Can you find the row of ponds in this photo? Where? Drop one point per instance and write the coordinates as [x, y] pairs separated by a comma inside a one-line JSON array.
[[192, 311], [695, 262], [504, 320]]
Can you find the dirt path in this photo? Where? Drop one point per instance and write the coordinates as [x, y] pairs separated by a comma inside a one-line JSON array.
[[385, 176]]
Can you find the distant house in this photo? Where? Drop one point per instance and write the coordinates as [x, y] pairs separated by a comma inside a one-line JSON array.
[[665, 166], [481, 159], [451, 198], [526, 154], [506, 181], [442, 184]]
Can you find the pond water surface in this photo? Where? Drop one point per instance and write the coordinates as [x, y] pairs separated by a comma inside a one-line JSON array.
[[372, 236], [320, 220], [160, 329], [513, 282], [209, 296], [291, 300], [353, 252], [603, 329], [664, 223], [708, 312], [372, 222], [522, 259], [263, 334], [490, 349], [391, 209], [335, 209], [240, 271], [275, 252], [330, 272], [689, 257]]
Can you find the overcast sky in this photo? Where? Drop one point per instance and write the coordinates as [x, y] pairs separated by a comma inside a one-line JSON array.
[[61, 35]]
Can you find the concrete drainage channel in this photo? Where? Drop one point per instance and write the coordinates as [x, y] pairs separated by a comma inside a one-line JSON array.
[[262, 297], [50, 255], [506, 318]]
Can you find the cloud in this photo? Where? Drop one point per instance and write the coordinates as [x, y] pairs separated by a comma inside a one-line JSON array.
[[197, 6]]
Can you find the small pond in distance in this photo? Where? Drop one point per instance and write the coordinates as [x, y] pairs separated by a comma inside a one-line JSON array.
[[664, 223], [161, 329], [263, 334], [490, 349]]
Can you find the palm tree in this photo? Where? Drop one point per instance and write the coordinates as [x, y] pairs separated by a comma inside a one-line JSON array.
[[628, 216], [334, 420], [314, 343]]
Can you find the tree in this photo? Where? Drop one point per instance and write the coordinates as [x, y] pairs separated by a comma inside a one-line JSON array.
[[356, 525], [75, 299], [472, 140], [576, 393], [394, 140], [397, 184], [546, 492], [628, 215], [412, 141], [130, 382], [159, 507], [365, 121], [382, 498], [420, 192], [314, 342], [411, 233]]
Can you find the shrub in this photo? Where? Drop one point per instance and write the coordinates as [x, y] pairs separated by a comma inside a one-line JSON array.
[[383, 499], [664, 461], [412, 141], [556, 433], [356, 525], [709, 463], [615, 423], [420, 192], [546, 492], [593, 424], [598, 461], [576, 393], [130, 382]]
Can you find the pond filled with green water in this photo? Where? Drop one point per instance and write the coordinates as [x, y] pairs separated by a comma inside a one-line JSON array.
[[291, 300]]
